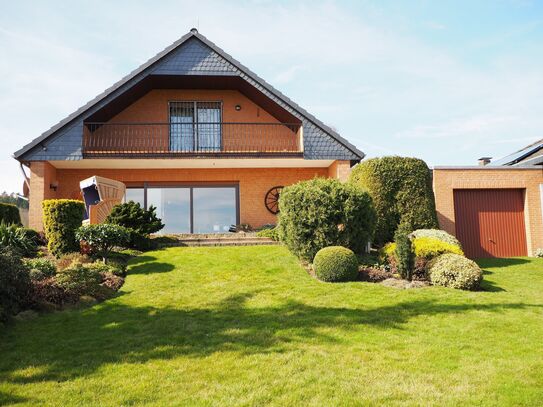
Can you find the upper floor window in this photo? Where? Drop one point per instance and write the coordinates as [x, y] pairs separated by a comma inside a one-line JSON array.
[[195, 126]]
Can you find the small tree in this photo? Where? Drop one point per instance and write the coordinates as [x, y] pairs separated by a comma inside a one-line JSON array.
[[103, 238], [132, 216]]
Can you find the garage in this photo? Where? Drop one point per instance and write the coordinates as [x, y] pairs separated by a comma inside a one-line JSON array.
[[490, 222]]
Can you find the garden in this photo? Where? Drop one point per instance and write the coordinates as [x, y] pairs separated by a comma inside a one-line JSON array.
[[365, 302]]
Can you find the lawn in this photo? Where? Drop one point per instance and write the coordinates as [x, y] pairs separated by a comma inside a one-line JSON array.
[[248, 326]]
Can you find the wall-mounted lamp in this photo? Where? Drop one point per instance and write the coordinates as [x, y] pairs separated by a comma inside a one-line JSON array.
[[238, 108], [44, 147], [53, 186]]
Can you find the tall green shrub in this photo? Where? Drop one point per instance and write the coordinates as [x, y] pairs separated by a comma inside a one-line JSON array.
[[61, 218], [401, 188], [15, 285], [9, 214], [404, 251], [324, 212]]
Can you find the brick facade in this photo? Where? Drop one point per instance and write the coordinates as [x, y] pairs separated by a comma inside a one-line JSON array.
[[446, 180], [253, 184]]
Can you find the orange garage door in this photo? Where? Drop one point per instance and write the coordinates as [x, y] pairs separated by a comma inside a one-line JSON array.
[[490, 222]]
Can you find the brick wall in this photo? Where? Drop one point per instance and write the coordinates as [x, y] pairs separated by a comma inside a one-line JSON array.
[[42, 175], [253, 184], [446, 180]]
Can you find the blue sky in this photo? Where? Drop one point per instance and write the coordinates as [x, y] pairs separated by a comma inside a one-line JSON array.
[[444, 81]]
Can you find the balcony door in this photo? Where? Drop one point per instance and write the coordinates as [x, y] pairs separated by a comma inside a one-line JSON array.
[[195, 126]]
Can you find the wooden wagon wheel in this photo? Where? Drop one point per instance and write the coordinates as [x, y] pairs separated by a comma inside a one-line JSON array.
[[272, 199]]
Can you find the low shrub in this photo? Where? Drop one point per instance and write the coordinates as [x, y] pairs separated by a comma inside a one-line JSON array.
[[112, 281], [15, 284], [435, 234], [539, 253], [48, 294], [132, 216], [71, 259], [420, 269], [61, 218], [455, 271], [336, 264], [9, 214], [403, 254], [103, 238], [80, 279], [17, 238], [325, 212], [40, 268], [429, 247], [142, 242], [374, 274], [37, 237], [269, 233]]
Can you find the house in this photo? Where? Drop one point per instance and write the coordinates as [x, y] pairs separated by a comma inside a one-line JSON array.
[[193, 132], [495, 208]]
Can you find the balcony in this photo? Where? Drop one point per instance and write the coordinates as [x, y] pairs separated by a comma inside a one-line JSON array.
[[179, 140]]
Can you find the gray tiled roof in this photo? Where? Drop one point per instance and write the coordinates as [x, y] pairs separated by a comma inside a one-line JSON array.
[[193, 54]]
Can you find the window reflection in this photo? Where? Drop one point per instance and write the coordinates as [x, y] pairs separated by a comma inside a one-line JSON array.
[[172, 206], [214, 209], [135, 194]]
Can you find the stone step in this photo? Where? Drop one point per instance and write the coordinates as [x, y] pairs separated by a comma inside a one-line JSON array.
[[221, 240]]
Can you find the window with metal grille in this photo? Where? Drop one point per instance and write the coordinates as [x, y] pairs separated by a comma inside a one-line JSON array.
[[195, 126]]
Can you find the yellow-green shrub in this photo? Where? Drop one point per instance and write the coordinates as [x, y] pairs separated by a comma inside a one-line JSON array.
[[455, 271], [428, 248], [61, 218]]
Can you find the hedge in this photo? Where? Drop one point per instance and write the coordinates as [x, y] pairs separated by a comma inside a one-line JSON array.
[[9, 214], [61, 218], [401, 188], [324, 212]]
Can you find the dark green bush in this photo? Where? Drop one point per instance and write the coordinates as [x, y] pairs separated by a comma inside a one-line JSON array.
[[9, 214], [132, 216], [40, 268], [141, 242], [17, 238], [335, 264], [401, 189], [61, 218], [404, 251], [80, 279], [15, 284], [324, 212], [103, 238]]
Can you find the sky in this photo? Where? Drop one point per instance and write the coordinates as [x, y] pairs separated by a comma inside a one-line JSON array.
[[445, 81]]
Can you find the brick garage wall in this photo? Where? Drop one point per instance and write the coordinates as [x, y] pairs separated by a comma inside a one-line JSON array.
[[253, 184], [446, 180]]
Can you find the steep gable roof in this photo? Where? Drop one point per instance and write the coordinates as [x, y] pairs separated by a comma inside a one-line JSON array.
[[192, 54]]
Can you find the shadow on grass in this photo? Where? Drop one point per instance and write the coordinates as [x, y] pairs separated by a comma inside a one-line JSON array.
[[501, 262], [150, 268], [490, 286], [9, 399], [84, 341]]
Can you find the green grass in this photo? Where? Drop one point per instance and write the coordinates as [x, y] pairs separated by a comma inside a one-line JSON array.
[[248, 326]]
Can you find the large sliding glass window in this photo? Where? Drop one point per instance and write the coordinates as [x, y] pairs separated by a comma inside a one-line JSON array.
[[172, 206], [190, 209], [214, 209], [195, 126]]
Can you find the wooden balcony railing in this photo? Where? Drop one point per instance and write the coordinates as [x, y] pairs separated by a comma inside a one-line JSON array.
[[133, 140]]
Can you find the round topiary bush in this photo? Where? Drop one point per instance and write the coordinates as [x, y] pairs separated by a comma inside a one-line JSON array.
[[455, 271], [324, 212], [335, 263]]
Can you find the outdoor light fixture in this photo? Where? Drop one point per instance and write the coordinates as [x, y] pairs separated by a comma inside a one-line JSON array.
[[53, 186], [238, 107]]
